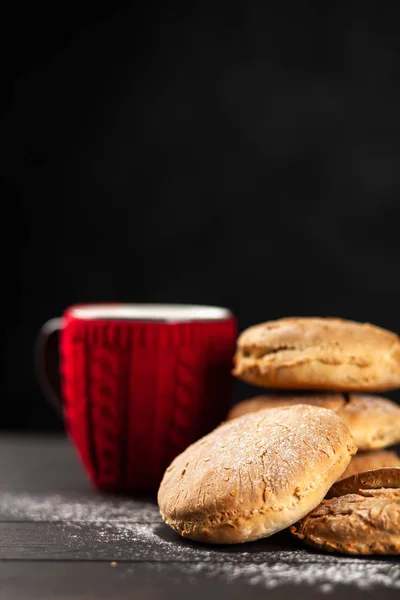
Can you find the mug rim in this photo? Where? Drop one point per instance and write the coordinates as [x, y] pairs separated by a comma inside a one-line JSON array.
[[150, 312]]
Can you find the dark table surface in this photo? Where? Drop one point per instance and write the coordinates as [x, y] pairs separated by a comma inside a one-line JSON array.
[[59, 539]]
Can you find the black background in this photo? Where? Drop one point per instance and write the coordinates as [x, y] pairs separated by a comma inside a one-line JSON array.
[[244, 155]]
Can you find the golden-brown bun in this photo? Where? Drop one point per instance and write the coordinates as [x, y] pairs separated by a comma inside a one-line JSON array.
[[367, 461], [361, 515], [387, 477], [331, 401], [374, 422], [255, 475], [319, 354]]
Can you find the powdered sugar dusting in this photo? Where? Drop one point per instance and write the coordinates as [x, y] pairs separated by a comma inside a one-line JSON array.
[[261, 565], [67, 508], [98, 528], [323, 575], [270, 568]]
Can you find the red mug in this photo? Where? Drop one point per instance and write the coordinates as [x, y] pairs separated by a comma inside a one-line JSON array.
[[139, 383]]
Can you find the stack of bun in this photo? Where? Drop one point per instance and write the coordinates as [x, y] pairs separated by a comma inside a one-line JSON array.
[[312, 454]]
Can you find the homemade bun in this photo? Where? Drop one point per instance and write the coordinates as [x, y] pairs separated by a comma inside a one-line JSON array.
[[255, 475], [367, 480], [361, 515], [367, 461], [331, 401], [374, 422], [319, 354]]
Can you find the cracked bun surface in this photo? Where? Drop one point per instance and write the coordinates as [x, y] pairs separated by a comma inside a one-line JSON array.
[[374, 422], [255, 475], [319, 354], [361, 515]]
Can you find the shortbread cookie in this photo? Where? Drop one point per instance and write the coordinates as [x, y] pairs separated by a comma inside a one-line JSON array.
[[255, 475], [319, 354]]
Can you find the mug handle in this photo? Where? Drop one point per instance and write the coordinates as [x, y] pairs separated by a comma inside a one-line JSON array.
[[47, 362]]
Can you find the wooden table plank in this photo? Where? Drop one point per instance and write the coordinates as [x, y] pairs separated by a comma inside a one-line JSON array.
[[133, 541], [176, 581], [89, 507], [40, 463]]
